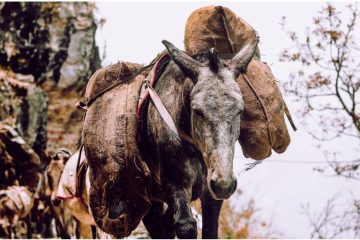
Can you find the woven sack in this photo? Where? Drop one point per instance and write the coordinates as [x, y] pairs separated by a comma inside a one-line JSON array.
[[262, 124], [262, 127], [205, 29], [119, 178]]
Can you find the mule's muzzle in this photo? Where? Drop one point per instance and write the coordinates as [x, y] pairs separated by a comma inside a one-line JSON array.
[[222, 189]]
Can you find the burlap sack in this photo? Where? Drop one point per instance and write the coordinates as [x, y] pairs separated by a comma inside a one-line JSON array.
[[262, 124], [216, 27], [119, 179], [262, 127]]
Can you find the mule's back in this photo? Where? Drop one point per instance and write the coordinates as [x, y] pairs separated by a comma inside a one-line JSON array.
[[118, 176]]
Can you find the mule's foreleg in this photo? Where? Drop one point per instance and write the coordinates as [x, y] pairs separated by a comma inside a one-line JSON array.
[[185, 224], [210, 216], [155, 222]]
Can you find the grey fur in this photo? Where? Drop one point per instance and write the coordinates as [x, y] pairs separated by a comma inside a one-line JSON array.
[[207, 105]]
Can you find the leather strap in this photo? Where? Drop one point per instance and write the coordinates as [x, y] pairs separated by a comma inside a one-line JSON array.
[[165, 115], [162, 110], [77, 173], [148, 91]]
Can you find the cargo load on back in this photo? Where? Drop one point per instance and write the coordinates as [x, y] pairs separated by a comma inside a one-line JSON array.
[[263, 125], [119, 178]]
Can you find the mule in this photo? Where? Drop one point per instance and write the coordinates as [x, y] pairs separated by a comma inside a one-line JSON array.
[[203, 98], [53, 207], [74, 206]]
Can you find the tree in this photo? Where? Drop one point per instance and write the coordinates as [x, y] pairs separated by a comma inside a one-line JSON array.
[[240, 219], [330, 224], [327, 82], [243, 221]]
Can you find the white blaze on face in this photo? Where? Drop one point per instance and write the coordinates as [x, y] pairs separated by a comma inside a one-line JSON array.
[[218, 99]]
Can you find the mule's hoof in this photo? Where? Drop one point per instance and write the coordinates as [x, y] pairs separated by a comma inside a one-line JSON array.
[[186, 229]]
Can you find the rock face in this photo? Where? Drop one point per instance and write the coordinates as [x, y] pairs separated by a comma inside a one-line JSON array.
[[50, 52], [24, 106], [18, 162], [47, 54], [54, 42]]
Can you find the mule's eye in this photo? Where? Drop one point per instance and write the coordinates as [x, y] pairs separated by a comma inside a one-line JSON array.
[[199, 113]]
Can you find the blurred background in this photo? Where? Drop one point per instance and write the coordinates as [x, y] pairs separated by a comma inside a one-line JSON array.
[[49, 51]]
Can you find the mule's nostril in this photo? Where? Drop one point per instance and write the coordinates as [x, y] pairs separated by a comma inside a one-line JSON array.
[[213, 185]]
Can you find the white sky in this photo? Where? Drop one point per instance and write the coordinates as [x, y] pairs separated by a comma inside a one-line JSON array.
[[133, 32]]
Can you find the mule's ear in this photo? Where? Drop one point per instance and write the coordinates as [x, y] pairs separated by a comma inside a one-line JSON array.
[[184, 61], [243, 58]]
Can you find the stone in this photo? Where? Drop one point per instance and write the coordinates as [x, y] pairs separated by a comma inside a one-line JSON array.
[[52, 45], [24, 106]]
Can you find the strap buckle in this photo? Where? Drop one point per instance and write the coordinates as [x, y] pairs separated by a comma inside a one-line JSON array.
[[146, 82], [81, 105]]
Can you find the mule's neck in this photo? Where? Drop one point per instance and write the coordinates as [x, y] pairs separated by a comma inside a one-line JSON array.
[[174, 91]]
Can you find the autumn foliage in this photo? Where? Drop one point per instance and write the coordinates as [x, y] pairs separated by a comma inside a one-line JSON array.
[[327, 85], [327, 81], [241, 219]]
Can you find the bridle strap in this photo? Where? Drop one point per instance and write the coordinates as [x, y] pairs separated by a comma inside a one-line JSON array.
[[165, 115]]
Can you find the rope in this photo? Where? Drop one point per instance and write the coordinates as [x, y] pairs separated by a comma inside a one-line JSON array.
[[288, 115], [267, 120], [92, 99], [220, 10], [117, 83], [314, 162]]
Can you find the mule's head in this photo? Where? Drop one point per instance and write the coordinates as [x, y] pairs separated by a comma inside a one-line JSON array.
[[53, 173], [216, 106]]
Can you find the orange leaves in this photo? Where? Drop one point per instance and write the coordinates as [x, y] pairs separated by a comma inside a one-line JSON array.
[[330, 9], [334, 35], [240, 220], [317, 80]]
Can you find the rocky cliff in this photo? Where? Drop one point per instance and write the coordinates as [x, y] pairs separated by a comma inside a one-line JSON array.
[[47, 54]]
